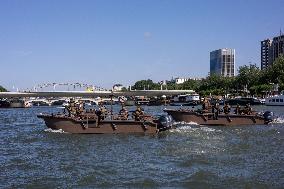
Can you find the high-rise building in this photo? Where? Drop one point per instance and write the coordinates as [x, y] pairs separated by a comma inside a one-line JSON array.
[[222, 62], [271, 50], [266, 53]]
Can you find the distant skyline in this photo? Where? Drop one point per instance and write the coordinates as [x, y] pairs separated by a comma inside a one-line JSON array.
[[104, 42]]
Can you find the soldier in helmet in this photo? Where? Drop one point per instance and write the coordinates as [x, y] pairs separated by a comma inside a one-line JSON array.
[[215, 110], [103, 111], [80, 108], [226, 108], [238, 110], [123, 113], [248, 109], [138, 114], [205, 105], [71, 108]]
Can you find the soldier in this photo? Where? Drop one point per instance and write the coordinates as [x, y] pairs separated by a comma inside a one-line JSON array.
[[103, 111], [80, 108], [205, 105], [238, 110], [215, 110], [227, 108], [138, 114], [71, 108], [123, 113], [248, 109]]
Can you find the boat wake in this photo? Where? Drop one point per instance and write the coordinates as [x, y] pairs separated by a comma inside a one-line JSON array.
[[278, 120], [184, 127], [192, 128], [185, 123], [54, 131]]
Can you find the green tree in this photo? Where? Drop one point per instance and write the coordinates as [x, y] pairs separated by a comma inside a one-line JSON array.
[[146, 84], [2, 89], [213, 84], [260, 89], [275, 72], [248, 75], [171, 85], [191, 84], [124, 89]]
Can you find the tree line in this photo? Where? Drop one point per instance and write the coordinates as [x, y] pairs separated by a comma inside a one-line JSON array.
[[250, 80]]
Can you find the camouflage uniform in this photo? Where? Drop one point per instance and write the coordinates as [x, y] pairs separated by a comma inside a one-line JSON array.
[[238, 109], [103, 111], [248, 109], [138, 114], [123, 113], [227, 108]]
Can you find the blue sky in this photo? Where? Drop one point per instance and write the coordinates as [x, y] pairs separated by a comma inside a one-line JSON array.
[[104, 42]]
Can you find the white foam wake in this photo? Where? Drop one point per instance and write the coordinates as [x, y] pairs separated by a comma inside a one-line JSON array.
[[185, 123], [181, 129], [278, 120], [54, 131]]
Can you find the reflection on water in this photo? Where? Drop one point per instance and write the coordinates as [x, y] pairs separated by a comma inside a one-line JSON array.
[[33, 156]]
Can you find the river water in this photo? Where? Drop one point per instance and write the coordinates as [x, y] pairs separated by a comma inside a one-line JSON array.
[[32, 156]]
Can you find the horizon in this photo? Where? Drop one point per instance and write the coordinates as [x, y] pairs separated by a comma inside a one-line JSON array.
[[122, 41]]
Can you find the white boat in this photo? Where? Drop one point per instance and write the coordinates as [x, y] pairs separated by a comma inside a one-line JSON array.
[[187, 98], [276, 100], [17, 103]]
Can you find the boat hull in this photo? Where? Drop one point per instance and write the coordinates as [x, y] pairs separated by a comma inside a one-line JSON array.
[[17, 105], [4, 104], [92, 126], [222, 119], [243, 101], [277, 100]]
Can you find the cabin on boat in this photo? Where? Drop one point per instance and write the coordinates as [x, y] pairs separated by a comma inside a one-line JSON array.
[[276, 100]]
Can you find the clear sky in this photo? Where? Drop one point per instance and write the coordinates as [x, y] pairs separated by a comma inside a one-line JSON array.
[[104, 42]]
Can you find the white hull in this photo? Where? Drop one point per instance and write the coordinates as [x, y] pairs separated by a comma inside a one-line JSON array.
[[277, 100], [187, 98]]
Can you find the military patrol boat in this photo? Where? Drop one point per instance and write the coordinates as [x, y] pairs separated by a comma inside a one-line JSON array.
[[91, 124], [78, 120], [211, 119]]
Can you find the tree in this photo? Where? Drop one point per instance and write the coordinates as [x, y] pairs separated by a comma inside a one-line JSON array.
[[171, 85], [2, 89], [260, 89], [124, 89], [275, 72], [248, 75], [213, 84], [146, 85], [191, 84]]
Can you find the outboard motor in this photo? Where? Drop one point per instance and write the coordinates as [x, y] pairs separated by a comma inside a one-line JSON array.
[[165, 122], [268, 116]]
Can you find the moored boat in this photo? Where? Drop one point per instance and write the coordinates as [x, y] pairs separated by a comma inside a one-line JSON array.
[[17, 103], [210, 119], [243, 101], [276, 100], [4, 104], [188, 99]]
